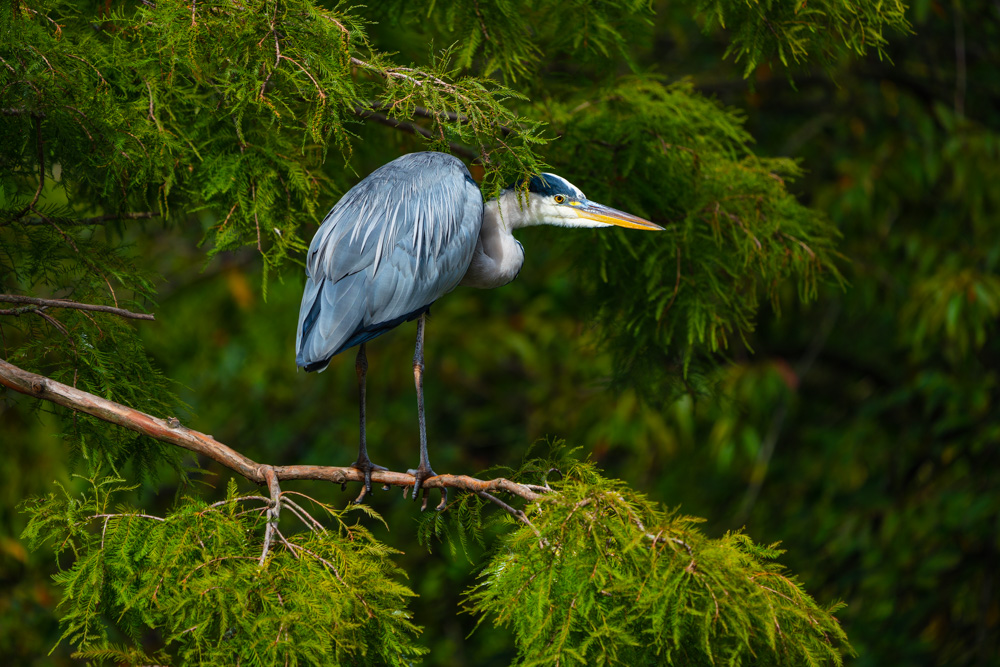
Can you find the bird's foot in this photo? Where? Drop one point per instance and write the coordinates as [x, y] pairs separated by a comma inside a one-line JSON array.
[[421, 474], [365, 465]]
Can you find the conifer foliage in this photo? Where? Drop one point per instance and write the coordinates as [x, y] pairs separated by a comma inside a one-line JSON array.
[[602, 575], [230, 124]]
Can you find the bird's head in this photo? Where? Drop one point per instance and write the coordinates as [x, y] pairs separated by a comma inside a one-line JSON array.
[[552, 200]]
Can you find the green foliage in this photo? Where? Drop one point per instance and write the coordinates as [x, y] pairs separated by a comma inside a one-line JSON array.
[[605, 577], [517, 39], [601, 576], [323, 597], [229, 109], [803, 31], [733, 231], [94, 352]]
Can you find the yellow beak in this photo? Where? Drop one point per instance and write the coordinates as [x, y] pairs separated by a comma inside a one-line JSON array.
[[591, 210]]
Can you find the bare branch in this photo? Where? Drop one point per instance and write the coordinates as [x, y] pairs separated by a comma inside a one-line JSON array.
[[517, 514], [172, 432], [302, 514], [63, 303], [273, 510]]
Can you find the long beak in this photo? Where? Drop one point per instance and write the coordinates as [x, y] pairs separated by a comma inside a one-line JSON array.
[[591, 210]]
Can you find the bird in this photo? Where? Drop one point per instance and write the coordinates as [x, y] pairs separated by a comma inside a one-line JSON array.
[[407, 234]]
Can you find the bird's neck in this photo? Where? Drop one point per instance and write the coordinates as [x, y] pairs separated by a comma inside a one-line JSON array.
[[498, 257]]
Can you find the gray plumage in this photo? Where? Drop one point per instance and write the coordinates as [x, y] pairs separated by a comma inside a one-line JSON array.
[[396, 242]]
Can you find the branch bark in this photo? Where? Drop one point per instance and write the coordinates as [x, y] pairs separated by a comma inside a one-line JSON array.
[[63, 303], [171, 431]]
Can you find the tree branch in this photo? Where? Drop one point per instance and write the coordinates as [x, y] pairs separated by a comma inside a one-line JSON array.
[[19, 111], [273, 510], [172, 432], [63, 303], [451, 116], [412, 128], [95, 220]]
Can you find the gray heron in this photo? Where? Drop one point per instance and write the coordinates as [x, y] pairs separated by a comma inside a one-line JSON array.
[[412, 231]]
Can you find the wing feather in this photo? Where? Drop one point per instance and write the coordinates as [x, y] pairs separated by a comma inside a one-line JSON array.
[[396, 242]]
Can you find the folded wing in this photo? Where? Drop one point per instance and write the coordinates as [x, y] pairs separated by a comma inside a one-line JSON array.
[[396, 242]]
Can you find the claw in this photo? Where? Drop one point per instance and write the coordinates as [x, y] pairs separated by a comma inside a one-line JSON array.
[[361, 496], [423, 505], [367, 468], [421, 474], [444, 500]]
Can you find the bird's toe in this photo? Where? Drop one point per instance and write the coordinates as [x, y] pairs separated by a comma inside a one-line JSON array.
[[421, 475], [367, 468]]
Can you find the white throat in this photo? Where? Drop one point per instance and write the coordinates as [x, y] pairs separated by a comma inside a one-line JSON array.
[[498, 257]]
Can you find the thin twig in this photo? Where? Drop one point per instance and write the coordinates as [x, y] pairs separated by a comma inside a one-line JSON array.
[[41, 170], [253, 189], [286, 542], [152, 112], [95, 220], [237, 500], [517, 514], [215, 560], [87, 62], [54, 322], [677, 283], [303, 515], [319, 89]]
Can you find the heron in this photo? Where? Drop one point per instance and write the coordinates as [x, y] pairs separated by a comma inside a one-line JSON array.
[[410, 232]]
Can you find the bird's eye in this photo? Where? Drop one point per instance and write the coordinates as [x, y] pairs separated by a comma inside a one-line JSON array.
[[560, 199]]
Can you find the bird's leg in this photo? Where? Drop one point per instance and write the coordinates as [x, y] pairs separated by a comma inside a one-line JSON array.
[[363, 463], [424, 470]]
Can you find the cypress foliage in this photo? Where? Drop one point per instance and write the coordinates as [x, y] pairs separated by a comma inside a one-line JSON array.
[[604, 576], [329, 596]]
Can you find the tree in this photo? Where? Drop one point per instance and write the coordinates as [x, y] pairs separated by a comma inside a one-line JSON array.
[[216, 121]]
